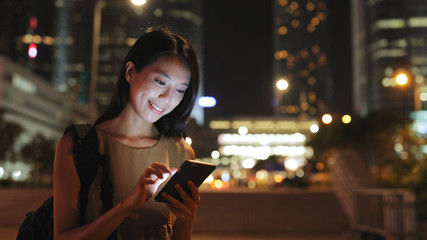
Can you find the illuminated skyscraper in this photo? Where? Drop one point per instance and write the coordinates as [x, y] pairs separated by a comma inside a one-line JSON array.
[[389, 37], [301, 51]]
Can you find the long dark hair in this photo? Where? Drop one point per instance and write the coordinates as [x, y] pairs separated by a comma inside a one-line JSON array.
[[157, 42]]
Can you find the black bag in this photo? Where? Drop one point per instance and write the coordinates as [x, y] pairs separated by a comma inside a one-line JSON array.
[[38, 223]]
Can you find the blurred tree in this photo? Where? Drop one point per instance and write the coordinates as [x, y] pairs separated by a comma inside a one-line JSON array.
[[9, 133], [376, 138], [372, 136], [40, 151]]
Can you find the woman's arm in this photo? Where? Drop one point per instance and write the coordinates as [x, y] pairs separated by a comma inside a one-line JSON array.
[[66, 204]]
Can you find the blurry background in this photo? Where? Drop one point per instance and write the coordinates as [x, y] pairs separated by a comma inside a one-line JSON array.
[[312, 110]]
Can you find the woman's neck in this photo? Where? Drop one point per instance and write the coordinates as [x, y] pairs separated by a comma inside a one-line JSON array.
[[129, 125]]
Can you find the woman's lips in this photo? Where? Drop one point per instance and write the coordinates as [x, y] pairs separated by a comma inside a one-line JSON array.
[[155, 108]]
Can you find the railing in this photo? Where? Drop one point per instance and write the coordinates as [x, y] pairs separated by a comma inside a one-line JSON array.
[[387, 213]]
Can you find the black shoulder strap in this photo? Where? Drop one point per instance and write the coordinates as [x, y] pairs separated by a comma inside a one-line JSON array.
[[86, 154], [87, 160]]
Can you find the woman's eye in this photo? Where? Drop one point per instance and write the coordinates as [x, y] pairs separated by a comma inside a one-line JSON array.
[[159, 82], [180, 91]]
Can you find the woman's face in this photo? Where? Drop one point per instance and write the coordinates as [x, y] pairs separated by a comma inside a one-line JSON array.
[[158, 88]]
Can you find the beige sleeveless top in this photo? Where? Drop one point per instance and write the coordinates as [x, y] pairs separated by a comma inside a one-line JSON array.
[[153, 220]]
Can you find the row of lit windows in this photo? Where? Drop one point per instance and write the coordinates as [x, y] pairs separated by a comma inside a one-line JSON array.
[[47, 40], [293, 109], [311, 66], [256, 126], [295, 23], [398, 23], [303, 53], [386, 43]]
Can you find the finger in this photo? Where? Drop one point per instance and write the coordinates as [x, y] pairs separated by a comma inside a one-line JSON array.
[[152, 171], [161, 167], [194, 191], [173, 201], [184, 195], [146, 181]]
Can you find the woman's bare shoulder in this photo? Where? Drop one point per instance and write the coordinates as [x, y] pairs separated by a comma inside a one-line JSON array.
[[183, 147]]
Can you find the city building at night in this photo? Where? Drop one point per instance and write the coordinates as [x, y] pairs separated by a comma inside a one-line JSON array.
[[303, 84], [389, 38], [390, 59]]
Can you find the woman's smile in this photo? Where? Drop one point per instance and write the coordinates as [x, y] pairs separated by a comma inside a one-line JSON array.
[[155, 108]]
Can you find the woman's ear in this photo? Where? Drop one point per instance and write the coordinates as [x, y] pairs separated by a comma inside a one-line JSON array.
[[130, 71]]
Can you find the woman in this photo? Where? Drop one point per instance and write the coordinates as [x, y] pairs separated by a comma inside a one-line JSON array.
[[141, 134]]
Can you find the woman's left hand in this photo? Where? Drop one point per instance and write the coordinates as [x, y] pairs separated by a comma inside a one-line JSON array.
[[184, 211]]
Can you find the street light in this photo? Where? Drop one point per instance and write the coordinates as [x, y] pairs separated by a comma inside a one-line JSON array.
[[138, 2], [402, 80], [280, 87], [327, 118], [282, 84]]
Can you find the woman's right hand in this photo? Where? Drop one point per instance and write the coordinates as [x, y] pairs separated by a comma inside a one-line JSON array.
[[146, 185]]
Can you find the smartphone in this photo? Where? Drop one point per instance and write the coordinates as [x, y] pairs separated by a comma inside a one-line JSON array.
[[192, 170]]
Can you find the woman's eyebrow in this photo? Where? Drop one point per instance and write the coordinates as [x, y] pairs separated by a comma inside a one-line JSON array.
[[165, 75]]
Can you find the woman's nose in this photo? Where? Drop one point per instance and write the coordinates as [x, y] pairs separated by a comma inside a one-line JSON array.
[[166, 95]]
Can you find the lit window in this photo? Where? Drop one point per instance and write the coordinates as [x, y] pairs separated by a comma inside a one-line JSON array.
[[310, 6], [283, 2], [310, 28], [394, 23], [283, 30], [417, 22], [295, 23]]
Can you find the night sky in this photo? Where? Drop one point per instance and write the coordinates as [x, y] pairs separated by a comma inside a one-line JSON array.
[[238, 56]]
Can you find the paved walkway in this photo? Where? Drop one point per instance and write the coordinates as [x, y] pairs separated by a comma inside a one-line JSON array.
[[10, 234], [292, 237]]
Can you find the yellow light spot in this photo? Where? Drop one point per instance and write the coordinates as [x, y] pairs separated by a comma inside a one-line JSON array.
[[278, 178], [346, 119], [218, 184]]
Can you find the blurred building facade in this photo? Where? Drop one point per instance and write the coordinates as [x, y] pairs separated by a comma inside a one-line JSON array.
[[29, 100], [301, 50], [32, 103], [389, 38]]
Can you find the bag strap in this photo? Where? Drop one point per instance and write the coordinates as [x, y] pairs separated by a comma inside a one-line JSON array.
[[87, 159], [85, 152]]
